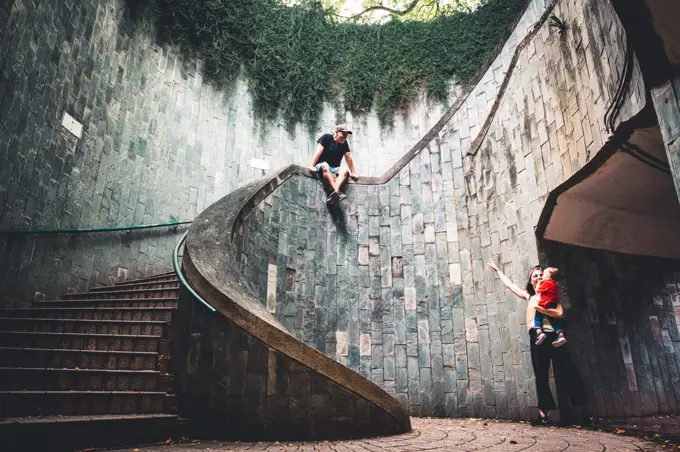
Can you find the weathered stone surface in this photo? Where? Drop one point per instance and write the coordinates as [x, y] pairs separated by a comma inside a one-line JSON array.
[[451, 435], [158, 144]]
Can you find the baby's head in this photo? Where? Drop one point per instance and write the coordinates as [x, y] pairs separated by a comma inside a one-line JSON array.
[[550, 273]]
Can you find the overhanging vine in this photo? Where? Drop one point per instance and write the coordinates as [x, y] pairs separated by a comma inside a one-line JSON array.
[[296, 57]]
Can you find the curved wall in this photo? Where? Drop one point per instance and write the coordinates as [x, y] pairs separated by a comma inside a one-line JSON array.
[[394, 283], [157, 143]]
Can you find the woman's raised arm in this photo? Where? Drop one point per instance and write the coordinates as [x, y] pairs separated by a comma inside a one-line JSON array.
[[509, 284]]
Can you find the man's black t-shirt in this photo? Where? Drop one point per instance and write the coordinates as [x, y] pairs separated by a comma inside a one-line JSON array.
[[332, 151]]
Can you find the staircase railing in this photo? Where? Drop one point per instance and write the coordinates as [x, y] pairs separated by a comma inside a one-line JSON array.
[[178, 271]]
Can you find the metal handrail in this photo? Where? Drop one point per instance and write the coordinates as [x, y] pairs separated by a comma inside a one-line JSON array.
[[95, 229], [180, 275]]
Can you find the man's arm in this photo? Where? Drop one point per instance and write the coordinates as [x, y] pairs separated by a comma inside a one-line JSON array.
[[317, 154], [350, 164]]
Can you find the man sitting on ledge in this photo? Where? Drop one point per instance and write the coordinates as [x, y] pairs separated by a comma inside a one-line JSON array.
[[327, 160]]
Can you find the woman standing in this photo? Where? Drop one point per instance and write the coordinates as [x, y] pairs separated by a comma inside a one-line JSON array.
[[543, 354]]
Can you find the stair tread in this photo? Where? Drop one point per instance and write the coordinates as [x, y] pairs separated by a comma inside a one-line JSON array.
[[99, 300], [83, 418], [59, 369], [147, 278], [90, 308], [164, 280], [157, 289], [47, 319], [72, 392], [51, 333], [109, 299], [71, 350]]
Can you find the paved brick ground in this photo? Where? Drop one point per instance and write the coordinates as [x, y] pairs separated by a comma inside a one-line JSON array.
[[449, 435]]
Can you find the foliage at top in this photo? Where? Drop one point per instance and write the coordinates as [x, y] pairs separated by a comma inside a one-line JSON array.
[[295, 57], [376, 10]]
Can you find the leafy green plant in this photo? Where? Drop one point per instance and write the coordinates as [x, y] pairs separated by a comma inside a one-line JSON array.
[[558, 23], [295, 57]]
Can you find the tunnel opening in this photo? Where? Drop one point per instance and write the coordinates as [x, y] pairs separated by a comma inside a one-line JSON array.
[[612, 231]]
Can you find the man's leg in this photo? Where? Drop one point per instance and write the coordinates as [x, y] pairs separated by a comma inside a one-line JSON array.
[[327, 175], [343, 174], [324, 172]]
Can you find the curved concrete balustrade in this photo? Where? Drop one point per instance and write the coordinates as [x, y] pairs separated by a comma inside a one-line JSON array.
[[211, 265]]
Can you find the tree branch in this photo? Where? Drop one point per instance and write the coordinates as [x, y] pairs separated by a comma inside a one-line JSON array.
[[385, 8]]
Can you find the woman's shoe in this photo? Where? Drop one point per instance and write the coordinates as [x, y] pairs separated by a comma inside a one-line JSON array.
[[541, 421]]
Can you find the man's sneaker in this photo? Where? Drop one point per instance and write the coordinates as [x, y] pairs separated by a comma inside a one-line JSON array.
[[540, 338], [333, 198], [560, 341], [341, 196]]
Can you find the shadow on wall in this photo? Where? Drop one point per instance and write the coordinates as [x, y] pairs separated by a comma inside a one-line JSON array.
[[623, 314], [51, 264]]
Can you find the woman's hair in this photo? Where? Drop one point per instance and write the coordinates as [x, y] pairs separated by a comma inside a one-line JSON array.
[[530, 287]]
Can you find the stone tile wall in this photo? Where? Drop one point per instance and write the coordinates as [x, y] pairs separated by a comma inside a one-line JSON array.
[[234, 386], [666, 99], [394, 284], [157, 143], [624, 324]]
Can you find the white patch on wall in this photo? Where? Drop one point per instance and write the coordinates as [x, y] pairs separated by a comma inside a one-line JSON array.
[[69, 123], [455, 274], [271, 288], [363, 255], [655, 326], [423, 332], [219, 180], [628, 363], [410, 298], [259, 164], [471, 330], [341, 343], [365, 345], [451, 232]]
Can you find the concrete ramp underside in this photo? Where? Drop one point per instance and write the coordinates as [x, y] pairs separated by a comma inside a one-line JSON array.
[[244, 374]]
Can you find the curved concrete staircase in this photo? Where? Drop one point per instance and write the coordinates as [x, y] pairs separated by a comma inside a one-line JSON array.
[[89, 368], [256, 379]]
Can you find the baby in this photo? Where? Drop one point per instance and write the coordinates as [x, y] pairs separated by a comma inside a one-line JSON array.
[[549, 298]]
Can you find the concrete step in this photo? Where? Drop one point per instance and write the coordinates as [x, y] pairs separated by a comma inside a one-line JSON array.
[[68, 433], [93, 313], [80, 341], [157, 284], [52, 379], [166, 292], [169, 302], [170, 274], [81, 359], [32, 403], [129, 327]]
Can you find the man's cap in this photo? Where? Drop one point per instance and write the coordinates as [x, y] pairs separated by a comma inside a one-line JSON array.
[[343, 128]]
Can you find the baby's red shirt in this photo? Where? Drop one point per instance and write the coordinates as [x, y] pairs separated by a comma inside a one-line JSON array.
[[547, 290]]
